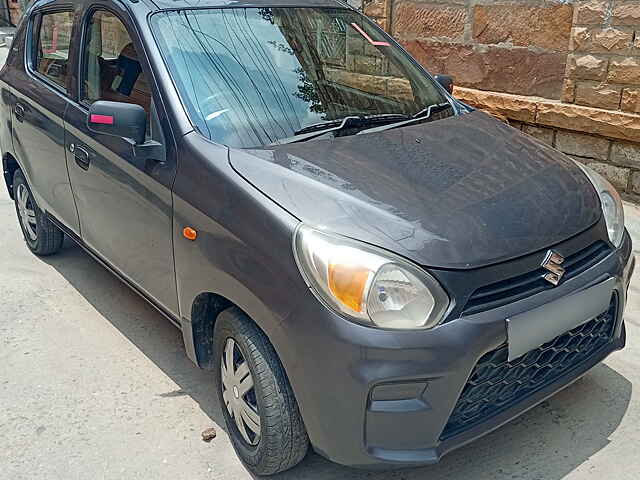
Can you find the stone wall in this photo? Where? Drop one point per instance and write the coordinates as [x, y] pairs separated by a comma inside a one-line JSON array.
[[604, 66], [566, 71], [485, 44]]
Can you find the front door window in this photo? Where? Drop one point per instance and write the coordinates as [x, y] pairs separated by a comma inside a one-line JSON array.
[[112, 67]]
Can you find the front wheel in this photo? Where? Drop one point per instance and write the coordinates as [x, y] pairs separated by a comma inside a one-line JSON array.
[[42, 237], [259, 408]]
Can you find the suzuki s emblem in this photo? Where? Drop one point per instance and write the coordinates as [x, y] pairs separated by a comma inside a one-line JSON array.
[[553, 263]]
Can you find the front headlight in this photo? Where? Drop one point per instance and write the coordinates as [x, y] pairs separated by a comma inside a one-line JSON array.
[[611, 204], [367, 284]]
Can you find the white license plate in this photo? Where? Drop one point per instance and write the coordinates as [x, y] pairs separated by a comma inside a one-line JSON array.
[[536, 327]]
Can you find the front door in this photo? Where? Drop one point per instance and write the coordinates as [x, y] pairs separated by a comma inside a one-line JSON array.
[[124, 204], [39, 98]]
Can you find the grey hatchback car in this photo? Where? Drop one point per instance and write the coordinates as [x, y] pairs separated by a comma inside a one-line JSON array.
[[366, 265]]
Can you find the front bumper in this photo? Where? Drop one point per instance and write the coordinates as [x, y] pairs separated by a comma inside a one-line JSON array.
[[373, 398]]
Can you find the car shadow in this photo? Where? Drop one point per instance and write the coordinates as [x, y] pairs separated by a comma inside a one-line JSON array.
[[547, 442], [156, 337]]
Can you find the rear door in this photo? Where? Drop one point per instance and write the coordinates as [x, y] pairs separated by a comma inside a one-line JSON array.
[[124, 202], [40, 95]]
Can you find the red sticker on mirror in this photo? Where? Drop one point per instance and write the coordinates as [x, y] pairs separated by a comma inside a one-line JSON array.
[[105, 119]]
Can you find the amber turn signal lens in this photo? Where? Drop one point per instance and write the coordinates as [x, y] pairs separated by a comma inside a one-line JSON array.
[[189, 233], [348, 283]]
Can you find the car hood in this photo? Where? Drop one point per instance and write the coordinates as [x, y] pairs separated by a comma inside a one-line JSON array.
[[462, 192]]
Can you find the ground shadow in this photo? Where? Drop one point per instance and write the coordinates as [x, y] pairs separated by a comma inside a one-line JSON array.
[[547, 442], [140, 323]]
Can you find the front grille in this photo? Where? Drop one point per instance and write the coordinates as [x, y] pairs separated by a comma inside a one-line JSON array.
[[523, 286], [497, 384]]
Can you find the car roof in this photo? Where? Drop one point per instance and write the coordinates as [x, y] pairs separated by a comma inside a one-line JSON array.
[[173, 4]]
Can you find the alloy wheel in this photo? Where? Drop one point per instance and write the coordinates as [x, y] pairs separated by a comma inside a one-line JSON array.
[[239, 394], [27, 212]]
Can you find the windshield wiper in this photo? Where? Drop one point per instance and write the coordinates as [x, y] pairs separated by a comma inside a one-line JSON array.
[[438, 107], [322, 126], [421, 116], [319, 129], [366, 119], [314, 131]]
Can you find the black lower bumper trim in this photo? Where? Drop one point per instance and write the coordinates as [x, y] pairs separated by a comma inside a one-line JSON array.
[[496, 384]]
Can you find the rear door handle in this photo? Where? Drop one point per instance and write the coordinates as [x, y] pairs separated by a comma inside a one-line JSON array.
[[81, 155], [19, 112]]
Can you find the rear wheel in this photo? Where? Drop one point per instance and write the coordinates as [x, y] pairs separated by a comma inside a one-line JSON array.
[[260, 410], [42, 237]]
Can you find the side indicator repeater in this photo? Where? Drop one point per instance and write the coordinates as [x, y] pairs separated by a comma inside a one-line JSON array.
[[189, 233]]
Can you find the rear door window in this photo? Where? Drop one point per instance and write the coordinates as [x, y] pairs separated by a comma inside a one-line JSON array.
[[52, 46]]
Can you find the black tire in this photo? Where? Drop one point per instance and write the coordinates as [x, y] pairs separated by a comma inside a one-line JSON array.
[[48, 238], [283, 440]]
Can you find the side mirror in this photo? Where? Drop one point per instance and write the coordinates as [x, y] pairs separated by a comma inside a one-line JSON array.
[[446, 81], [118, 119]]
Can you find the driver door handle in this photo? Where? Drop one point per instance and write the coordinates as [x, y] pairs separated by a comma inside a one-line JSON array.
[[81, 155]]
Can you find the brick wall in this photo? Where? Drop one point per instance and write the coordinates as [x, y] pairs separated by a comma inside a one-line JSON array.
[[566, 71], [604, 64], [485, 44]]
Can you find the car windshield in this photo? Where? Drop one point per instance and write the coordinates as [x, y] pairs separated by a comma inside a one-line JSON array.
[[255, 76]]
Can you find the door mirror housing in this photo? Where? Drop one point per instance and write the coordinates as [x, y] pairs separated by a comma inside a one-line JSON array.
[[446, 81], [118, 119]]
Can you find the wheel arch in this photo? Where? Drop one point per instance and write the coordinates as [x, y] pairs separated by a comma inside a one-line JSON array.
[[198, 333], [9, 167]]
